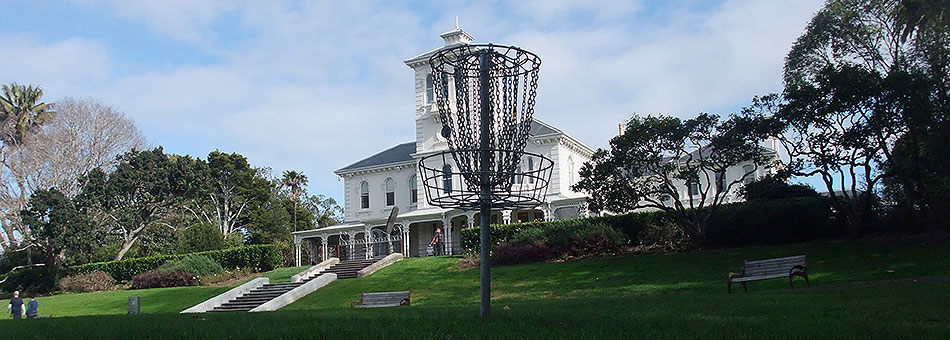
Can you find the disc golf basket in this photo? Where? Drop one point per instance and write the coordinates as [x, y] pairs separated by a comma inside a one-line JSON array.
[[485, 95]]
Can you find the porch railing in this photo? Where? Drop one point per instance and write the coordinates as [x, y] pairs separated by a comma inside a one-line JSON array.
[[364, 249]]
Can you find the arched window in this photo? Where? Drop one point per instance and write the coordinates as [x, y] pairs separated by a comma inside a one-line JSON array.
[[364, 195], [413, 190], [531, 170], [430, 89], [447, 179], [390, 192]]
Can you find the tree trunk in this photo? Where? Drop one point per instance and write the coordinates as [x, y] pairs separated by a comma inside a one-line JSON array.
[[125, 248]]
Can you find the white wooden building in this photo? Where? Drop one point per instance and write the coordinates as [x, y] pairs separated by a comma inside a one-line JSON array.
[[378, 183]]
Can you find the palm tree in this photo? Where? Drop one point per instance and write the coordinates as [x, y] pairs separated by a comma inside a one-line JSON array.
[[20, 107], [295, 181]]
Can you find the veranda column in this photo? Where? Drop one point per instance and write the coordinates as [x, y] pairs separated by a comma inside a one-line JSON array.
[[447, 235], [405, 240], [506, 217], [324, 245], [369, 244], [297, 253]]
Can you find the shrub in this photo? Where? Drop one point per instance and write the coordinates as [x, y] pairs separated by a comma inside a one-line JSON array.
[[200, 237], [258, 257], [225, 276], [32, 281], [775, 188], [664, 236], [566, 238], [629, 225], [163, 278], [507, 253], [566, 232], [199, 265], [762, 222], [96, 281]]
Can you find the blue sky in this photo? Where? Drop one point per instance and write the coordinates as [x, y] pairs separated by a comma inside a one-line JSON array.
[[314, 86]]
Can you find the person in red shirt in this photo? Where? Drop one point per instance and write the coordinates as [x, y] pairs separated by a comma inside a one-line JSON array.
[[436, 242]]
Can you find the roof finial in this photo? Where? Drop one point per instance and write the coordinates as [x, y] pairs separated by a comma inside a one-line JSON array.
[[456, 22]]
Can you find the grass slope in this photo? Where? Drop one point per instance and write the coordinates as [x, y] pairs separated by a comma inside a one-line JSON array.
[[159, 300], [668, 296]]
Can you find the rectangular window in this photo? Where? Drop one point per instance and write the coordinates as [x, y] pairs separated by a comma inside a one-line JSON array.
[[414, 195], [721, 181], [523, 217], [364, 201], [748, 171], [390, 198], [693, 188]]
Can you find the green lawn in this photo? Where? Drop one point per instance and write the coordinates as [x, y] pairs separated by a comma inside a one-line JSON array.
[[161, 300], [669, 296]]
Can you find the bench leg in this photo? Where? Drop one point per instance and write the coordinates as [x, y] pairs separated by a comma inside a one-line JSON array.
[[730, 286], [806, 280], [744, 288]]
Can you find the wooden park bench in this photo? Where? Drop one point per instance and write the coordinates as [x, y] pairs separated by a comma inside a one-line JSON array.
[[771, 269], [383, 299]]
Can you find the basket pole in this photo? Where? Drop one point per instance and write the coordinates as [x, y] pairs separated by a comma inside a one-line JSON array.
[[484, 68]]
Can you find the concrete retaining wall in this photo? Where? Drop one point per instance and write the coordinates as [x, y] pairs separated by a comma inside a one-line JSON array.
[[227, 296], [317, 268], [296, 293], [388, 260]]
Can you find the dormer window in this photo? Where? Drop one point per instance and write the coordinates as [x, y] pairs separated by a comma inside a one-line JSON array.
[[430, 89]]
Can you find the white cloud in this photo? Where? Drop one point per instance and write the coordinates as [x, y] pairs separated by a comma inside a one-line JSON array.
[[316, 86], [55, 66]]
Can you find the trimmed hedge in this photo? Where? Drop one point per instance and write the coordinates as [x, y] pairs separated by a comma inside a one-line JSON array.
[[629, 225], [199, 265], [260, 257], [754, 222], [765, 222], [157, 278]]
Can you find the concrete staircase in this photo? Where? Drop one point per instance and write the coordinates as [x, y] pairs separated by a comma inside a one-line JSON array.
[[348, 269], [267, 292]]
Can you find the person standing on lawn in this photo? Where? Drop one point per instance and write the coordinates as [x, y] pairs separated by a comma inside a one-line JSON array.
[[436, 243], [15, 308], [31, 307]]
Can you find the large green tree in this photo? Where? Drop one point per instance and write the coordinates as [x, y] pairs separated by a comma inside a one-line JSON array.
[[226, 187], [143, 190], [59, 229], [656, 156], [865, 77]]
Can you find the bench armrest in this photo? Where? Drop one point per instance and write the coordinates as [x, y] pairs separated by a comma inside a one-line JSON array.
[[355, 303]]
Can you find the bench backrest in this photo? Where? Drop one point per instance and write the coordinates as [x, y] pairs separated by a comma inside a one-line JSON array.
[[781, 265], [383, 298]]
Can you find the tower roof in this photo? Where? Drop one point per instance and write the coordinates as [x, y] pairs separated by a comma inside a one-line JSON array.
[[452, 38]]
